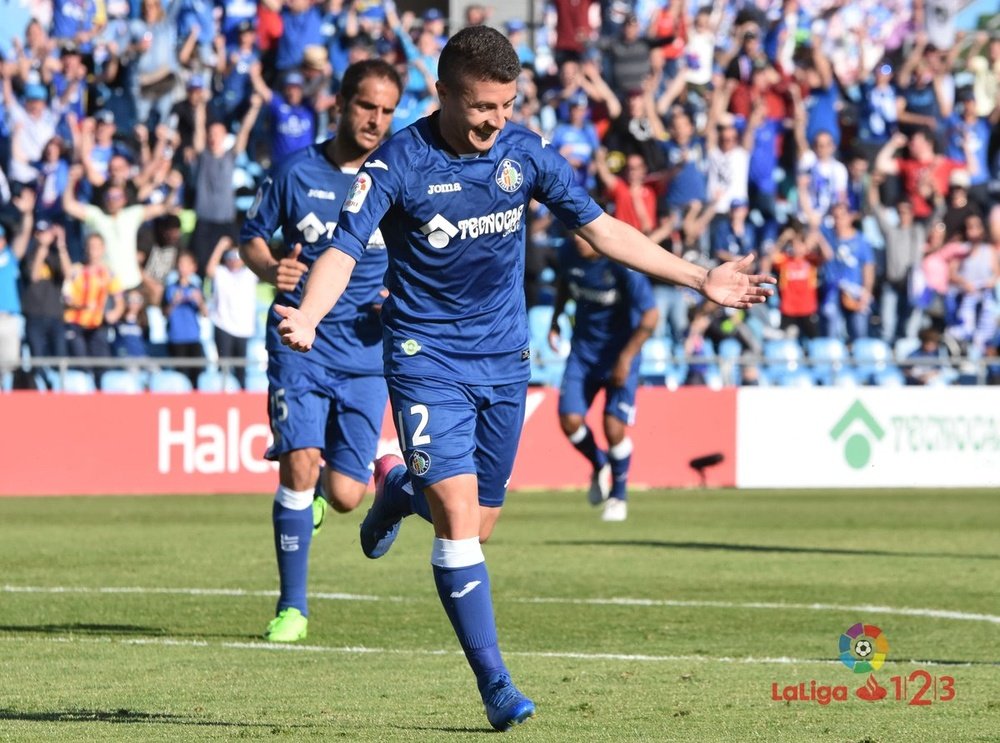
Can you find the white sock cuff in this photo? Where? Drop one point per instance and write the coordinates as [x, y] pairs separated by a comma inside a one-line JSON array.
[[622, 449], [579, 434], [456, 553], [295, 500]]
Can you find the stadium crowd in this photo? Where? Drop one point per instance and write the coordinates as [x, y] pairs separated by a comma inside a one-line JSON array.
[[853, 147]]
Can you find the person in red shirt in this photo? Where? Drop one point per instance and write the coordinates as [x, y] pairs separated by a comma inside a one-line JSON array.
[[633, 198], [799, 254], [924, 174], [572, 29]]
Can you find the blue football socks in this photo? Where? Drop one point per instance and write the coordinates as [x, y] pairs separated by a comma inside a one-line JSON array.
[[583, 440], [620, 457], [292, 516], [464, 590]]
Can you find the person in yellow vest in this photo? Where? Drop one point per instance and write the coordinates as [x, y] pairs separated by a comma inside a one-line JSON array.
[[94, 303]]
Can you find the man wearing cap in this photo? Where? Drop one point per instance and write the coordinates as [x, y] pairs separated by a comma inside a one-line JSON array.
[[293, 119], [237, 61], [33, 125], [44, 269]]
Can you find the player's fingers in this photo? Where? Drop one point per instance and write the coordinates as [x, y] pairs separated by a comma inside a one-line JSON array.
[[745, 262], [283, 311], [296, 251], [762, 278]]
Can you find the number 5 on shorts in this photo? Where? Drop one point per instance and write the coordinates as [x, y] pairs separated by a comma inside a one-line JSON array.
[[419, 438]]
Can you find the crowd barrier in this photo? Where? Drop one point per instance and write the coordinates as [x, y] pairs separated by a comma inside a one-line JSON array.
[[744, 437]]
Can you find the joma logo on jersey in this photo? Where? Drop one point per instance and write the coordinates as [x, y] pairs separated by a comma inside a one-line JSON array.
[[443, 188], [316, 193], [312, 228]]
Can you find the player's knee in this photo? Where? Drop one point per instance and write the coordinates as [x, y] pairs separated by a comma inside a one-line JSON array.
[[570, 423], [299, 469]]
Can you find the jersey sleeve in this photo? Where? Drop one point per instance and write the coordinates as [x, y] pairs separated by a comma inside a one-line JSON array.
[[370, 197], [265, 214], [557, 189]]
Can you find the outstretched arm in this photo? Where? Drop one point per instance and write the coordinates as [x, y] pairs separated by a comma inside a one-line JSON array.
[[729, 284], [327, 280]]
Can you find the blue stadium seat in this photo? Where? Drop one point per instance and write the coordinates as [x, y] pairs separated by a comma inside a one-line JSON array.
[[782, 357], [903, 347], [212, 380], [730, 351], [169, 380], [656, 364], [257, 355], [78, 382], [122, 381], [256, 381], [828, 356], [872, 356]]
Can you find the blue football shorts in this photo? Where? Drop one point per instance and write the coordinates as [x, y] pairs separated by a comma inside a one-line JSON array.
[[312, 407], [448, 428], [581, 382]]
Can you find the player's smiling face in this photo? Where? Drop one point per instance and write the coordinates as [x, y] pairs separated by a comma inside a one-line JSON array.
[[472, 117]]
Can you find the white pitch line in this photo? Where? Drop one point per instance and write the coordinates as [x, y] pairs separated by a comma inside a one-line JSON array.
[[362, 650], [621, 601]]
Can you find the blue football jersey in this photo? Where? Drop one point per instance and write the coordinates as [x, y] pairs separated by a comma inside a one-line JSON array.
[[454, 228], [610, 301], [303, 197]]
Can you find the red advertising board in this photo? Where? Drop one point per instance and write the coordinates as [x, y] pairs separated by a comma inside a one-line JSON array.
[[214, 443]]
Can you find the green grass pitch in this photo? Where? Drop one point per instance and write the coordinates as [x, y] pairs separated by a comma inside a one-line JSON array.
[[139, 619]]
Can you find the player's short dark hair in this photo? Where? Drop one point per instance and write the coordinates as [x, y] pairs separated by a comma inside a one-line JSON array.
[[478, 53], [358, 72]]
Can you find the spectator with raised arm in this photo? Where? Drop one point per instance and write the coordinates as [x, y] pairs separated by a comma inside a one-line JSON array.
[[293, 119], [215, 162], [232, 307], [117, 224]]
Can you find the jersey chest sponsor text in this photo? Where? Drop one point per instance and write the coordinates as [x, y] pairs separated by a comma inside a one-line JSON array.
[[440, 231]]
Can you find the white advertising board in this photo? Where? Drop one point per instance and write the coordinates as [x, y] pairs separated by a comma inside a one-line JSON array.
[[868, 437]]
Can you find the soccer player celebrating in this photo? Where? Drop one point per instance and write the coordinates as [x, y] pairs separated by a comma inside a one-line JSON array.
[[615, 314], [450, 194], [331, 402]]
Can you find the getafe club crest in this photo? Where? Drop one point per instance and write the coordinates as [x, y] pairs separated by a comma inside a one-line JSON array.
[[420, 462], [509, 176]]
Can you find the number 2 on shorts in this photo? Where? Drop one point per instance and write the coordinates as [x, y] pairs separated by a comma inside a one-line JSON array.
[[419, 438]]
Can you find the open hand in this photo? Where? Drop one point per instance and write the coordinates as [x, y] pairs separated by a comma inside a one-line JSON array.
[[730, 285], [296, 330]]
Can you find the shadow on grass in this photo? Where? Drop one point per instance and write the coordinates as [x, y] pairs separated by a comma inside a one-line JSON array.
[[124, 716], [776, 549], [85, 629], [443, 729]]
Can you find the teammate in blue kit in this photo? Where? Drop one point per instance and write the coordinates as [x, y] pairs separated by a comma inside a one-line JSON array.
[[331, 402], [615, 314], [450, 193]]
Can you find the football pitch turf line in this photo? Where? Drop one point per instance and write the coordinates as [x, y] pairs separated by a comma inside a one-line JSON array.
[[171, 642], [614, 601]]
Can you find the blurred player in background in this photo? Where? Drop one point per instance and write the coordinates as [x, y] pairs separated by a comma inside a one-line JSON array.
[[328, 404], [615, 314], [450, 194]]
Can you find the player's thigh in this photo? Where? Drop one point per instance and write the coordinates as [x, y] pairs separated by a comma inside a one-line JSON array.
[[298, 407], [353, 425], [578, 388], [498, 432], [436, 424]]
